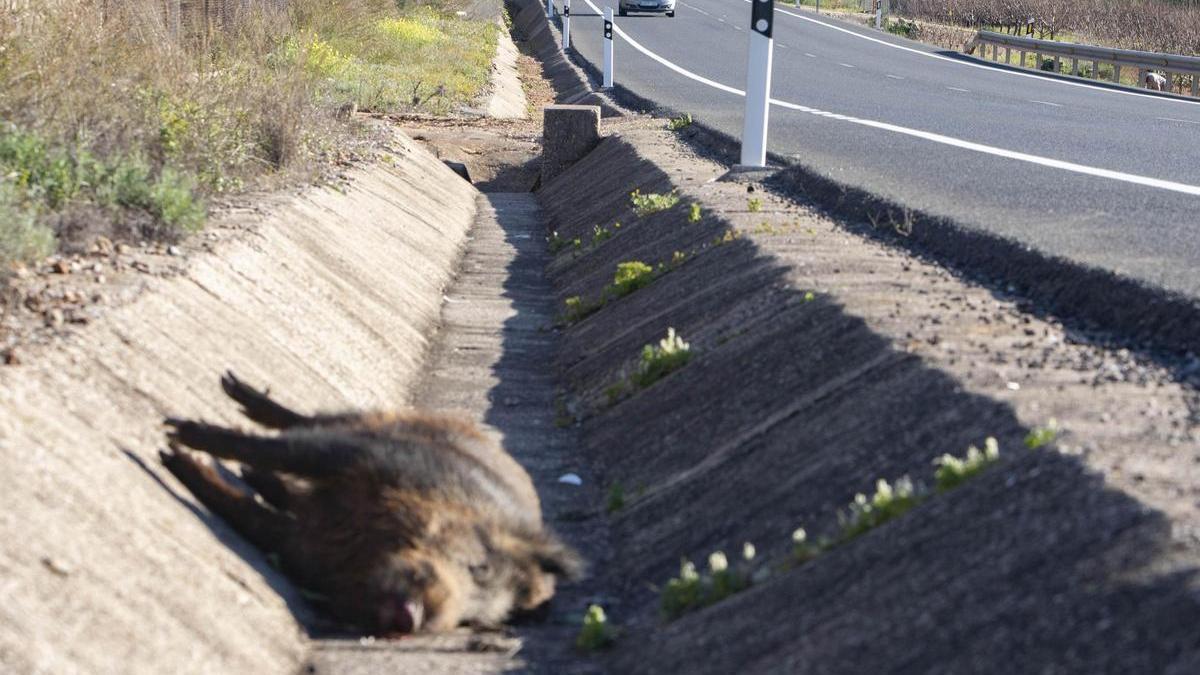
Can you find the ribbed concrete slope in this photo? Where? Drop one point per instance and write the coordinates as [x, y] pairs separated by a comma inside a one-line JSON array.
[[106, 564]]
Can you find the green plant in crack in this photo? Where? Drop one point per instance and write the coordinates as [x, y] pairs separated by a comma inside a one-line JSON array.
[[630, 276], [887, 503], [616, 498], [694, 214], [691, 590], [601, 234], [1042, 436], [596, 633], [670, 354], [953, 471], [680, 122], [754, 205], [653, 202]]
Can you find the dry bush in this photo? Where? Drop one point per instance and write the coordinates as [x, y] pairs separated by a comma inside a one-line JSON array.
[[115, 121]]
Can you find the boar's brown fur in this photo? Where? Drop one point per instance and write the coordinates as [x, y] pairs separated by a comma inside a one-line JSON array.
[[403, 521]]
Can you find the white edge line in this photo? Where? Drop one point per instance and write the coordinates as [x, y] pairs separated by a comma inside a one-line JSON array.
[[980, 65], [925, 135], [1056, 105]]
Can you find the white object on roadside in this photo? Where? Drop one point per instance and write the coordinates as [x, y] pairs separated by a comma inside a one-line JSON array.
[[570, 479]]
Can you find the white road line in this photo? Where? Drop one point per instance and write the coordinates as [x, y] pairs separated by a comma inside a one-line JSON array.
[[925, 135], [969, 64], [846, 65], [811, 56], [1172, 119], [966, 91], [1056, 105], [895, 77]]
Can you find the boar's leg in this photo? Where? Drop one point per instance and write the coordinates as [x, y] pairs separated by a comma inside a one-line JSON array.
[[261, 408], [269, 485], [266, 530], [313, 457]]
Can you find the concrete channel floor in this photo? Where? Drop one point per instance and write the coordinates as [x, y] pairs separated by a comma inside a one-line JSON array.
[[491, 359]]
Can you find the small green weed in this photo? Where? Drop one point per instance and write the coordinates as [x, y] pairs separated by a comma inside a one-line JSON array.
[[694, 214], [596, 632], [809, 296], [577, 309], [803, 550], [614, 392], [630, 276], [555, 242], [1042, 436], [887, 503], [600, 234], [690, 591], [681, 122], [671, 354], [646, 204], [616, 498], [952, 471], [677, 259], [754, 204]]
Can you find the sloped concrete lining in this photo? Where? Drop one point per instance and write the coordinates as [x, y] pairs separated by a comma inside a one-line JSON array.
[[107, 564], [571, 84], [506, 97], [823, 362]]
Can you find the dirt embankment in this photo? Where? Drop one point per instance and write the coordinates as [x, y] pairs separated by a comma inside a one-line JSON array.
[[823, 361], [107, 564]]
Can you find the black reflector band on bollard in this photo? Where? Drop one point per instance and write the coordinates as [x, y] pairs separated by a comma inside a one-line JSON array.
[[566, 10], [607, 30], [762, 17]]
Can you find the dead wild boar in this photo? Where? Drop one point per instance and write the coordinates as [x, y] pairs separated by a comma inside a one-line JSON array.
[[404, 521]]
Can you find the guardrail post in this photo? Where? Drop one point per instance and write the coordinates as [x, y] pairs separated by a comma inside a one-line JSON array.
[[758, 83], [1195, 84], [549, 9], [608, 48], [566, 25], [1116, 72], [1075, 67], [878, 14]]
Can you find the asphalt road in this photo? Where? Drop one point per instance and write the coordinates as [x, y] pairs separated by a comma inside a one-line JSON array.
[[1106, 178]]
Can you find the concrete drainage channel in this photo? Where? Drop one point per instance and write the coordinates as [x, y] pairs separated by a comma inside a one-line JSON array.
[[820, 362]]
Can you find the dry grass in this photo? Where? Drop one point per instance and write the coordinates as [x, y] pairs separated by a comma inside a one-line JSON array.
[[112, 125]]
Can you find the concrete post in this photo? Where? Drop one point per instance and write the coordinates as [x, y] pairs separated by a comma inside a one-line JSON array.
[[568, 133]]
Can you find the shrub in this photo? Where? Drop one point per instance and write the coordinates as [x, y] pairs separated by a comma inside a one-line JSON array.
[[671, 354], [952, 471], [754, 204], [596, 632], [694, 214], [21, 236], [646, 204], [577, 309]]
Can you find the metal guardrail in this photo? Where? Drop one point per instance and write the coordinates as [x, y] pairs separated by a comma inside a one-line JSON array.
[[1175, 67]]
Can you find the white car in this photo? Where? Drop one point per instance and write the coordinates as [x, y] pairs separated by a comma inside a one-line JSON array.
[[657, 6]]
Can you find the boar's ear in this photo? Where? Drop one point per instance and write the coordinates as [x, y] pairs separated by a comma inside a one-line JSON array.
[[555, 557]]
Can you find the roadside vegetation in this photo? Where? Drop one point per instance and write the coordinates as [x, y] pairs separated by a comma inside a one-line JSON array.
[[113, 122], [1151, 25], [692, 590]]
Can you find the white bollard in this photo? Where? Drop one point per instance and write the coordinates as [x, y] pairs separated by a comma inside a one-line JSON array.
[[608, 48], [566, 24], [758, 83], [878, 14], [549, 9]]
